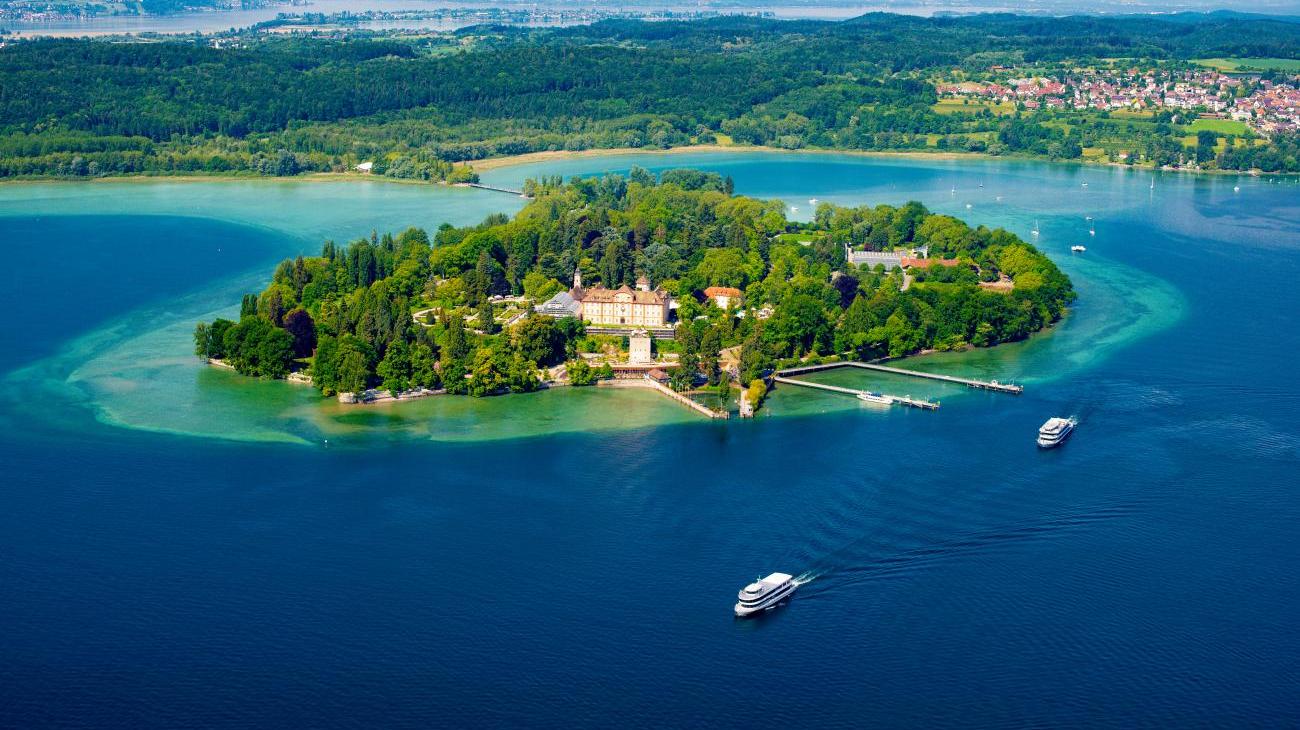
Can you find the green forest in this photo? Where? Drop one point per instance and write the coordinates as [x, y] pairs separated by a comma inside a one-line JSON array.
[[414, 311], [416, 106]]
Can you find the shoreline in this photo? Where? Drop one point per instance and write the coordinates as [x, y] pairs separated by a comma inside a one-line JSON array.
[[489, 164]]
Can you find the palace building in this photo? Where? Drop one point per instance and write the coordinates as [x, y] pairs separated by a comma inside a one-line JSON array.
[[624, 306]]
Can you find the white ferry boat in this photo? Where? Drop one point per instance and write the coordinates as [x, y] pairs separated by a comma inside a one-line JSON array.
[[1055, 431], [1078, 249], [869, 397], [763, 594]]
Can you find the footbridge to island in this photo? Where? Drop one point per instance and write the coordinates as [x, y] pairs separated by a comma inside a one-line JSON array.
[[497, 189]]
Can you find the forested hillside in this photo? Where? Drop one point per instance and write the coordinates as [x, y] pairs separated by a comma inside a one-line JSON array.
[[271, 105]]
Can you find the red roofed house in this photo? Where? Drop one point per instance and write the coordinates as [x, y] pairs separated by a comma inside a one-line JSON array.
[[723, 296]]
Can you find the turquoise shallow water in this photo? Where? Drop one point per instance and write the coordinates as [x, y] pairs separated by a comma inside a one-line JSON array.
[[179, 546]]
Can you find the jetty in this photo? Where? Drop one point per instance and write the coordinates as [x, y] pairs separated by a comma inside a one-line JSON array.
[[893, 399], [665, 390], [968, 382]]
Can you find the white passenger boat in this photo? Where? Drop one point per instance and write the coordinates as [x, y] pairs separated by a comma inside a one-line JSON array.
[[763, 594], [1055, 431], [869, 397], [1078, 249]]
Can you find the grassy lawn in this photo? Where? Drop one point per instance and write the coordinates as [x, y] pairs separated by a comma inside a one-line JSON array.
[[796, 237], [1250, 64], [972, 106], [1222, 126], [1131, 114]]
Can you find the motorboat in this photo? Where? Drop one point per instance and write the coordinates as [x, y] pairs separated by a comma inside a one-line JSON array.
[[1055, 431], [764, 594]]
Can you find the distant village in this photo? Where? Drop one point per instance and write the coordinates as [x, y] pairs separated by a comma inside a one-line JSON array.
[[1266, 106]]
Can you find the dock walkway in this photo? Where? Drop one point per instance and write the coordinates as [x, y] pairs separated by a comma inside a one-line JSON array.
[[893, 399], [665, 390], [968, 382]]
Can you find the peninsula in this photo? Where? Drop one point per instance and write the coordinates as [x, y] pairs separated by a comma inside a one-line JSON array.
[[671, 279]]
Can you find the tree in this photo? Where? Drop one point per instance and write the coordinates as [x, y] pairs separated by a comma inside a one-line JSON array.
[[754, 357], [579, 373], [488, 375], [424, 373], [710, 347], [539, 340], [455, 344], [395, 369], [302, 328], [353, 372], [209, 339], [486, 319]]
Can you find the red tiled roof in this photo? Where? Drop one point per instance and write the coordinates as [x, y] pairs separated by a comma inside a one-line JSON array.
[[721, 291]]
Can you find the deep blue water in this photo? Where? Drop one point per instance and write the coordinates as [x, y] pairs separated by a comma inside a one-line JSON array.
[[66, 274], [1143, 574]]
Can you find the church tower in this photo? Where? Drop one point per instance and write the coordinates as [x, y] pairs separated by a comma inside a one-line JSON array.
[[577, 277]]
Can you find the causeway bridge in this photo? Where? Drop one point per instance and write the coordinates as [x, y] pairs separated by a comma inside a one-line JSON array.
[[496, 189]]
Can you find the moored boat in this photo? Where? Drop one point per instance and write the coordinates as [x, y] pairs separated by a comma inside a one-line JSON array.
[[764, 594], [870, 397]]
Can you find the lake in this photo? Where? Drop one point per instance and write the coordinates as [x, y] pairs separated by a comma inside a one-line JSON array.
[[183, 546]]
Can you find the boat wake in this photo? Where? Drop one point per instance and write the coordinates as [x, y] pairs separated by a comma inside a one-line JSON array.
[[908, 561], [807, 576]]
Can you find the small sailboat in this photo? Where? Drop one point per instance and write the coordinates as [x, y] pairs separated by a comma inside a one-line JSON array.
[[1153, 183], [812, 202]]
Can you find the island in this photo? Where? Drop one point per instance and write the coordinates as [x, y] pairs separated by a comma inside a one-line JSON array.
[[671, 280]]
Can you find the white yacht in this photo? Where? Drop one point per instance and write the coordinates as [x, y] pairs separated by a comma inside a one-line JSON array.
[[1078, 249], [870, 397], [763, 594], [1055, 431]]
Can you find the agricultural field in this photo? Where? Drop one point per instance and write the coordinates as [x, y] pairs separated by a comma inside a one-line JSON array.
[[1218, 126], [973, 106], [1241, 65]]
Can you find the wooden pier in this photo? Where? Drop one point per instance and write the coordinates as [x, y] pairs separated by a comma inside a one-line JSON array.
[[893, 399], [665, 390], [968, 382]]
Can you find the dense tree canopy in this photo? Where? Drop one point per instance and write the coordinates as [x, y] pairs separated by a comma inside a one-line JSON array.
[[358, 304], [282, 106]]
